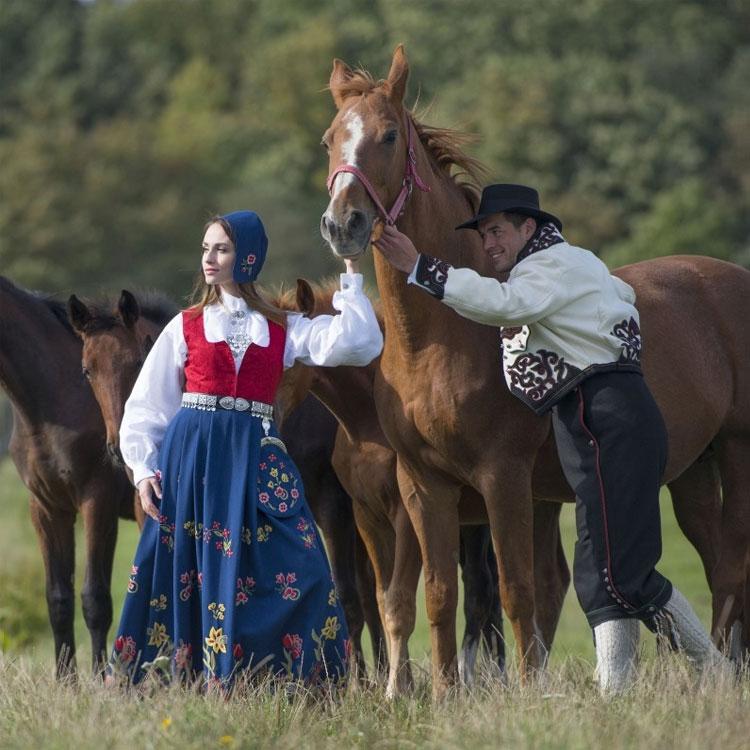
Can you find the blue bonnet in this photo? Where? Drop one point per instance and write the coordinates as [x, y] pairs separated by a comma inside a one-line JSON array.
[[250, 243]]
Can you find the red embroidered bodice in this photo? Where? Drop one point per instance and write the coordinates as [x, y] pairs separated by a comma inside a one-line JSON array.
[[209, 367]]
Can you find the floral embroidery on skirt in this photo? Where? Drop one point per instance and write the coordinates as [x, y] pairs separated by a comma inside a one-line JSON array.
[[232, 577]]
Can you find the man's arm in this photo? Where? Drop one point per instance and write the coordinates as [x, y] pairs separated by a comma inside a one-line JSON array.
[[535, 291]]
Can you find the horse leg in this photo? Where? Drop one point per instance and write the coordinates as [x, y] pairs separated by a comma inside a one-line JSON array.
[[493, 631], [480, 593], [432, 505], [728, 577], [511, 516], [394, 553], [57, 542], [401, 601], [696, 499], [100, 525], [365, 577], [551, 572]]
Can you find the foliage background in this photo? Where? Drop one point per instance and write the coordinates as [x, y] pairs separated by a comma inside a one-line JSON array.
[[124, 124]]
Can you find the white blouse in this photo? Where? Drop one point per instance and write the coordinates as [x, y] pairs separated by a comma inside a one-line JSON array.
[[351, 338]]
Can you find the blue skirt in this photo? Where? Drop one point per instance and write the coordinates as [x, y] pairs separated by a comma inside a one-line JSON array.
[[233, 577]]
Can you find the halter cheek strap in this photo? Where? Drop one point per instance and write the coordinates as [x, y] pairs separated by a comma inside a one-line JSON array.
[[411, 178]]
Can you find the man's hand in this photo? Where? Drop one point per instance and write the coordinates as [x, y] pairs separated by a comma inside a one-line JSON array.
[[397, 249], [147, 489]]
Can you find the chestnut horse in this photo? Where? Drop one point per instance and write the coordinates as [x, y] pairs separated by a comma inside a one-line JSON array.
[[58, 446], [452, 422], [115, 343], [366, 464]]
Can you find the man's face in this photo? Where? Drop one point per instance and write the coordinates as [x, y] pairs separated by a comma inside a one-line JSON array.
[[502, 241]]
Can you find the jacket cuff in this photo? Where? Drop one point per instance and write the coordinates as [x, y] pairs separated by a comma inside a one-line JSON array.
[[431, 275], [141, 471]]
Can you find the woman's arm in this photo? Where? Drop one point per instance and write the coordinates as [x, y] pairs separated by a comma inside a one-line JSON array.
[[351, 338]]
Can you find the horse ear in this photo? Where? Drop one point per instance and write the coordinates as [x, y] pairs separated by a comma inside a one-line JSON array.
[[305, 297], [340, 74], [78, 314], [128, 309], [398, 75]]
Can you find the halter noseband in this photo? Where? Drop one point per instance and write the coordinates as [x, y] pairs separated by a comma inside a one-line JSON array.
[[411, 178]]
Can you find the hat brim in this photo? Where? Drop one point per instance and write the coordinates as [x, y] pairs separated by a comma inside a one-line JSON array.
[[541, 216]]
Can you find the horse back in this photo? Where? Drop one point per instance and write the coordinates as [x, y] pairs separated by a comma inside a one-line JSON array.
[[694, 312]]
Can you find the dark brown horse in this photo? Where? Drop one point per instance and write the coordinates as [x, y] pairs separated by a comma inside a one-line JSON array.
[[443, 406], [58, 446], [116, 339]]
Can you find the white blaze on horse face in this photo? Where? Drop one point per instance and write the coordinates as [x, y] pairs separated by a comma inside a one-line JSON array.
[[355, 131]]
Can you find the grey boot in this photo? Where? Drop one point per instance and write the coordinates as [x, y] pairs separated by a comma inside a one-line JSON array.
[[687, 633], [616, 647]]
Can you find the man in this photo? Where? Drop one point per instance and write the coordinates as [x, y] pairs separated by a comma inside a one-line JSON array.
[[571, 344]]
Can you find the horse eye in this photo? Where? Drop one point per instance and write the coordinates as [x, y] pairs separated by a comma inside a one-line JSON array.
[[86, 373], [324, 143], [390, 136]]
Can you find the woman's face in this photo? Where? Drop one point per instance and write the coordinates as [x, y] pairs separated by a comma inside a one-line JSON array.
[[218, 256]]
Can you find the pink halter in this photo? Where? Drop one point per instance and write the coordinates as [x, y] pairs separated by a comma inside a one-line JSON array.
[[411, 178]]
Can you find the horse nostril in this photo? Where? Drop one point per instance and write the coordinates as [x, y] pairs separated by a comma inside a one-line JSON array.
[[356, 222], [327, 226]]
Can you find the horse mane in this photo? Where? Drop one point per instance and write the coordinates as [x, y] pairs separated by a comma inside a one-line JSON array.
[[285, 297], [445, 146], [155, 307]]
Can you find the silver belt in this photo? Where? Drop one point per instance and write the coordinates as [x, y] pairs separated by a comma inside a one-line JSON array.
[[207, 402]]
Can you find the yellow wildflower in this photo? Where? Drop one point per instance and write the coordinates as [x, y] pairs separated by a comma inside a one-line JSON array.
[[227, 740], [166, 722], [217, 640]]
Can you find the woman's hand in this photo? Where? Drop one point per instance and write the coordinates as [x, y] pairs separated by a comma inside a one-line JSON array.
[[147, 489], [352, 265]]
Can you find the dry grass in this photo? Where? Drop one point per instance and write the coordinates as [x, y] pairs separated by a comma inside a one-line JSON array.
[[669, 707]]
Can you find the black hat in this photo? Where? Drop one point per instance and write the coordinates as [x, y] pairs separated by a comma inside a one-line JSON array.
[[517, 199]]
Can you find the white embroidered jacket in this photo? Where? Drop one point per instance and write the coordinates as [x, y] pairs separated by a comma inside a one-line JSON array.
[[351, 338], [563, 316]]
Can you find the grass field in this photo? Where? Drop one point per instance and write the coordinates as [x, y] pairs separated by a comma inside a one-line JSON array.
[[667, 707]]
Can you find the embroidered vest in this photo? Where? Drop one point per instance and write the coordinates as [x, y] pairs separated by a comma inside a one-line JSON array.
[[209, 367]]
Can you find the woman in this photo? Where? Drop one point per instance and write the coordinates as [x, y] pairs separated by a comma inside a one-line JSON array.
[[230, 574]]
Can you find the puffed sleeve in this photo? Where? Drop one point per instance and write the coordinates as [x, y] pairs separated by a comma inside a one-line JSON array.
[[155, 399], [351, 338]]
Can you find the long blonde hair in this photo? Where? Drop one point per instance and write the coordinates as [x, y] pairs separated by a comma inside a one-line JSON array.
[[204, 294]]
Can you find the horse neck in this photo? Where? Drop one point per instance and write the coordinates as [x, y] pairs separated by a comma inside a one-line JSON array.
[[37, 356], [429, 221], [347, 393]]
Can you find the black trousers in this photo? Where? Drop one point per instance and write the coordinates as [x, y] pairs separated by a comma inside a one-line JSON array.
[[612, 444]]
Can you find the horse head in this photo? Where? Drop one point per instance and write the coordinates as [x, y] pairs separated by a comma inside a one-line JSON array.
[[368, 146], [115, 345]]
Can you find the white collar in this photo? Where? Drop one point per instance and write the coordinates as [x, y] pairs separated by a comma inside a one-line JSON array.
[[232, 303]]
